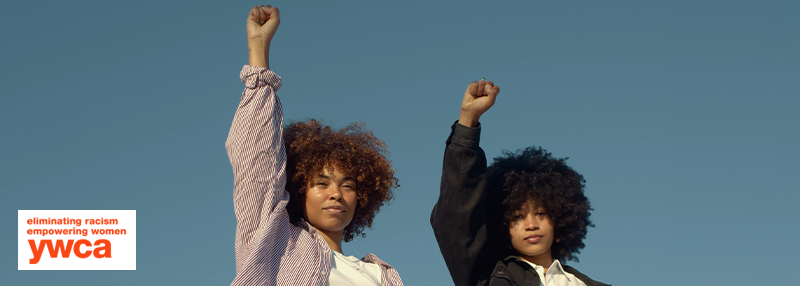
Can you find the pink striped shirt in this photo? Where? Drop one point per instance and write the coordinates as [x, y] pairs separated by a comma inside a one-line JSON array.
[[269, 249]]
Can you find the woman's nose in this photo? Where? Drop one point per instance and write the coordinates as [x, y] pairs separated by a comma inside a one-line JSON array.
[[335, 193], [531, 223]]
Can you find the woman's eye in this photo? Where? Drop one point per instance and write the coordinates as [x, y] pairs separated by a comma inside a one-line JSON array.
[[517, 217], [541, 213], [321, 184]]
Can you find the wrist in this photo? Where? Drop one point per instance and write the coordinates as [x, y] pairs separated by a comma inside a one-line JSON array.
[[258, 45], [468, 119], [258, 54]]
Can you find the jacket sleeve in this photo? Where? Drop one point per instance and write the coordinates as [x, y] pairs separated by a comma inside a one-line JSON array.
[[258, 157], [458, 218]]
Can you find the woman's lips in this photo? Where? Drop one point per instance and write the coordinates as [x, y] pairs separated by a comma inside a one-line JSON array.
[[335, 209], [533, 238]]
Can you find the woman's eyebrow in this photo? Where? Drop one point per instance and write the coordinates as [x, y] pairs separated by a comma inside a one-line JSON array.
[[323, 176]]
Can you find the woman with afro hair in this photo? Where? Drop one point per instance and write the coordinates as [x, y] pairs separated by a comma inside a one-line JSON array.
[[514, 223], [300, 190]]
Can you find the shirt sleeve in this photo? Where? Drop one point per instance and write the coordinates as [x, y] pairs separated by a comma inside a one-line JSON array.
[[258, 156], [458, 218]]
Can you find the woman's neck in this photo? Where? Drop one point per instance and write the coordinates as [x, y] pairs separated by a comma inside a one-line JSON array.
[[334, 239], [544, 260]]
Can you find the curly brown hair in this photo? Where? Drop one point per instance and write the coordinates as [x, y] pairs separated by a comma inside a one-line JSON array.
[[533, 174], [312, 147]]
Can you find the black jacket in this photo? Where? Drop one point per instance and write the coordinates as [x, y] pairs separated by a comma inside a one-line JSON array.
[[459, 221]]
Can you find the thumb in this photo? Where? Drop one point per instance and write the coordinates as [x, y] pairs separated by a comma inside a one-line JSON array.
[[491, 93], [491, 89], [273, 14]]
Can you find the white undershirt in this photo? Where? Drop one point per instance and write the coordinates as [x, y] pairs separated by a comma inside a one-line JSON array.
[[349, 270], [556, 276]]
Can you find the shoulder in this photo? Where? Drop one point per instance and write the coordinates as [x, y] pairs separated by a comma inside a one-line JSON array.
[[389, 274], [510, 271], [500, 275], [372, 258]]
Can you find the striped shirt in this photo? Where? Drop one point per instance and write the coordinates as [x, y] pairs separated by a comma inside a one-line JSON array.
[[269, 249]]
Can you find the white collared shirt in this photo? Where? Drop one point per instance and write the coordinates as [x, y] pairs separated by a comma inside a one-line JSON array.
[[556, 276], [349, 270]]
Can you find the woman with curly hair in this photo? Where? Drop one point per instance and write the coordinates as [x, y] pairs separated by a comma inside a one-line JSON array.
[[301, 190], [514, 223]]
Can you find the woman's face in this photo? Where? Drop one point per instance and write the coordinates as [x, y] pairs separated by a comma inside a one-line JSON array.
[[331, 201], [532, 233]]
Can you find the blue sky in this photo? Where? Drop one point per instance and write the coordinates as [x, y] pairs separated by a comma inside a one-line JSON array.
[[681, 115]]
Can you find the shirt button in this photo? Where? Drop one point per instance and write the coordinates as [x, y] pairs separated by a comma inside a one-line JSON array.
[[325, 251], [323, 272]]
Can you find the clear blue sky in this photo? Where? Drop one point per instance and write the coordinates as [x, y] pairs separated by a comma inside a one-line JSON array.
[[682, 115]]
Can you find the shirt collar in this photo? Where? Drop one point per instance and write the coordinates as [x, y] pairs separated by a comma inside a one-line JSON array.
[[556, 269]]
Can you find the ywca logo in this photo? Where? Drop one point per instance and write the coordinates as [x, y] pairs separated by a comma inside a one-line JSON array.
[[65, 250], [77, 240]]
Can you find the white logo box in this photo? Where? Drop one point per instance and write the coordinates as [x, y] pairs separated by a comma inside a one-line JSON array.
[[106, 238]]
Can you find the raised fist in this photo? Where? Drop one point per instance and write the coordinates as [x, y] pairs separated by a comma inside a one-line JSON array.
[[479, 97], [262, 23]]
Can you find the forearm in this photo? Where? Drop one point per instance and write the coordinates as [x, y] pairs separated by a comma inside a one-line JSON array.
[[468, 119], [259, 53], [256, 151], [458, 218]]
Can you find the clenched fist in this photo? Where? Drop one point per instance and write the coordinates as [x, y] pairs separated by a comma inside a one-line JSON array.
[[479, 97], [262, 23]]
